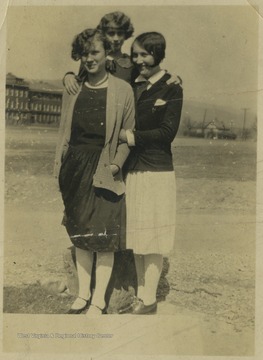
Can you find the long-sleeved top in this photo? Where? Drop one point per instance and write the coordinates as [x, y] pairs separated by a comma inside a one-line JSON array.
[[158, 112], [119, 114]]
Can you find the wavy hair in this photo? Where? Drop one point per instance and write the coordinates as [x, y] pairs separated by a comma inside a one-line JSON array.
[[122, 22], [82, 42]]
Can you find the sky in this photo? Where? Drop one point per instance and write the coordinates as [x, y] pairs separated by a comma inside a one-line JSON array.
[[214, 49]]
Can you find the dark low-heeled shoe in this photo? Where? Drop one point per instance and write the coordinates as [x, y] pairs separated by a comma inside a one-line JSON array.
[[79, 311], [129, 308], [141, 309]]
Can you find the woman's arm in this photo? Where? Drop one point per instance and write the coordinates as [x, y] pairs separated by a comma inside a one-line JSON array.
[[128, 123], [64, 131], [71, 83], [61, 147]]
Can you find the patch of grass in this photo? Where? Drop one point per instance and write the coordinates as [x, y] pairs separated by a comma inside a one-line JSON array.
[[33, 299], [33, 163], [217, 160], [32, 151]]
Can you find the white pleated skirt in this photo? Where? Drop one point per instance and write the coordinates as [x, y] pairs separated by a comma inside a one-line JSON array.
[[151, 211]]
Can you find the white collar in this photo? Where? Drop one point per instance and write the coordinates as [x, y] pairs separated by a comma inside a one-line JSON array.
[[153, 79]]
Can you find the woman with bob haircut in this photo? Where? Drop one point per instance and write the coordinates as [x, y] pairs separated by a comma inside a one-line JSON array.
[[88, 163], [117, 28], [150, 183]]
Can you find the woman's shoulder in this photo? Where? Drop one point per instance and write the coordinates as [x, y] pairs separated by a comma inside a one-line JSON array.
[[69, 98], [119, 82], [174, 84], [173, 79]]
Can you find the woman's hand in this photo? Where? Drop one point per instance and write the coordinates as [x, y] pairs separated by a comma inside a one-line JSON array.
[[114, 169], [71, 84], [123, 136]]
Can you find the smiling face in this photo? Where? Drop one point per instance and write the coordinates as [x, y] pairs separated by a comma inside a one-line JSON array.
[[143, 61], [115, 36], [95, 58]]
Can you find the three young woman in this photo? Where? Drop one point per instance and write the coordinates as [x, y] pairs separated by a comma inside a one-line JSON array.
[[150, 183], [89, 159]]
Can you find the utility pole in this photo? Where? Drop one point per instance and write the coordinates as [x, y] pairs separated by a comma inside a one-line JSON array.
[[203, 123], [244, 136], [204, 117]]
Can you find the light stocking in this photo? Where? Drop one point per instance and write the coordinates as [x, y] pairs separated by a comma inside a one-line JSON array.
[[84, 261], [153, 264], [139, 264], [104, 267]]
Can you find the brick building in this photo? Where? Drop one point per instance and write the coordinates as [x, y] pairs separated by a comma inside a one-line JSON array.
[[17, 100], [34, 102]]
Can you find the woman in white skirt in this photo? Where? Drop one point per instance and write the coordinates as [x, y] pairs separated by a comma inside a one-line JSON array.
[[150, 184]]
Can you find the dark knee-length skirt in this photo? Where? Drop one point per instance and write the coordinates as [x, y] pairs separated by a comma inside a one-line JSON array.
[[94, 217]]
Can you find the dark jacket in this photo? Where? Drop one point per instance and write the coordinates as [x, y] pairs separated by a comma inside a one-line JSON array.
[[158, 112]]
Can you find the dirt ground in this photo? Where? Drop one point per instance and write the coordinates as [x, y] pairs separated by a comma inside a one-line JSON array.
[[212, 270]]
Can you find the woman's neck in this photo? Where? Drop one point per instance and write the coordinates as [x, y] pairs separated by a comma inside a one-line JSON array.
[[96, 79]]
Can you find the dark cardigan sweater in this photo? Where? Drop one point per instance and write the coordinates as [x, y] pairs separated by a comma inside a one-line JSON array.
[[158, 112]]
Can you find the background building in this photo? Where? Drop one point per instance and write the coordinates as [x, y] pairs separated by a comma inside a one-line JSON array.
[[32, 102], [17, 100]]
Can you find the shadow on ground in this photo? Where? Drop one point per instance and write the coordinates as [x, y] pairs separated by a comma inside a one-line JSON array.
[[37, 299]]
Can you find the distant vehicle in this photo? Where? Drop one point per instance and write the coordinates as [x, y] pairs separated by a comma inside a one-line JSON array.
[[226, 134]]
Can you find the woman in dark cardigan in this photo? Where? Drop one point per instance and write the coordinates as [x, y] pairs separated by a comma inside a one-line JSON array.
[[150, 183], [89, 158]]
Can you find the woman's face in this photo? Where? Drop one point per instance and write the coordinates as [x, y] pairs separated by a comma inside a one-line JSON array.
[[95, 59], [143, 61], [115, 36]]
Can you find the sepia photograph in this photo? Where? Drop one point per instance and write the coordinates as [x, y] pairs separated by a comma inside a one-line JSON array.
[[131, 179]]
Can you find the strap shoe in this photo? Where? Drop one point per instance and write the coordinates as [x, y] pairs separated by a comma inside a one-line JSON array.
[[73, 311]]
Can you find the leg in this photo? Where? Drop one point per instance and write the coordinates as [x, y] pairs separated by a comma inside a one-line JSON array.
[[103, 273], [84, 260], [149, 269], [139, 264], [153, 264], [148, 279]]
